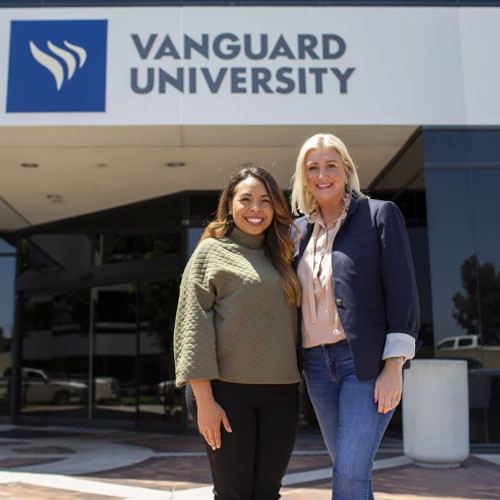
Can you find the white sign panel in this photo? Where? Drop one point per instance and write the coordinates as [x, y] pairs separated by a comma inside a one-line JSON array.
[[243, 65], [480, 32]]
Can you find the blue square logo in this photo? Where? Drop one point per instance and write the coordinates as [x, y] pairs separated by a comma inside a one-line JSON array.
[[57, 66]]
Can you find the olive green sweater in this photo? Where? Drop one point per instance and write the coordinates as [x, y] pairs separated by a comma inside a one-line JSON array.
[[233, 322]]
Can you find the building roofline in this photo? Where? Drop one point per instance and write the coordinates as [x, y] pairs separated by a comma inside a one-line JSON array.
[[247, 3]]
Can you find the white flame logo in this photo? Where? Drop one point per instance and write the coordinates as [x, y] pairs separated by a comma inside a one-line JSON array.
[[53, 65]]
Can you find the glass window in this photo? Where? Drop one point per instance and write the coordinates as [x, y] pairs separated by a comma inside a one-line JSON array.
[[448, 344], [485, 394], [7, 302], [194, 235], [202, 207], [34, 375], [453, 258], [113, 248], [5, 247], [419, 244], [7, 283], [464, 245], [55, 354], [486, 206], [115, 352], [159, 400], [47, 253]]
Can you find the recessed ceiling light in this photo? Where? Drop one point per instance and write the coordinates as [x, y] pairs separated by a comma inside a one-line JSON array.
[[176, 164], [29, 165], [56, 198]]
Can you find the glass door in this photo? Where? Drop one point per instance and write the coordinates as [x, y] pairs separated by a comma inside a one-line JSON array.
[[159, 399], [7, 287], [55, 354], [114, 349]]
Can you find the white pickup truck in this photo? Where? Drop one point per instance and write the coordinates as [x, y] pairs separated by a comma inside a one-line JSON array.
[[470, 347], [459, 342], [37, 386]]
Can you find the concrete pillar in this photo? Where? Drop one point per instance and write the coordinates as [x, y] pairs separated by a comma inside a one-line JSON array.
[[436, 413]]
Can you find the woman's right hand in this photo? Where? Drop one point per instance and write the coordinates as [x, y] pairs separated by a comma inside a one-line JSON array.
[[210, 414], [210, 417]]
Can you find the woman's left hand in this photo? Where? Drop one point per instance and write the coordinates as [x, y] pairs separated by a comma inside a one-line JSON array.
[[388, 387]]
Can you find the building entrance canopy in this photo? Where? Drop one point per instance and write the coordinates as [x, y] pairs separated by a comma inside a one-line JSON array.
[[88, 169]]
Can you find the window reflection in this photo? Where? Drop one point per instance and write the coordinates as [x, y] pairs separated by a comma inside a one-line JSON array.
[[465, 260], [159, 399], [104, 351], [35, 260], [113, 248], [133, 352], [484, 388], [486, 204], [54, 373], [194, 235], [451, 237], [7, 272], [6, 247], [484, 404], [115, 350], [48, 253]]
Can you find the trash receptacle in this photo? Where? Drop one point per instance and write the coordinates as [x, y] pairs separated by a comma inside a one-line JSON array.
[[436, 413]]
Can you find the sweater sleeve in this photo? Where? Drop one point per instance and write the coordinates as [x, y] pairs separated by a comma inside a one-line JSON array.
[[194, 332]]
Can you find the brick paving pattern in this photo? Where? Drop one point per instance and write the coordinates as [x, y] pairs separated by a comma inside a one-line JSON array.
[[13, 463], [477, 479], [19, 491], [47, 450], [181, 472]]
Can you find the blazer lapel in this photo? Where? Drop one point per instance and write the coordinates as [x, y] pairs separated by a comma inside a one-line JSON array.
[[353, 206], [306, 230]]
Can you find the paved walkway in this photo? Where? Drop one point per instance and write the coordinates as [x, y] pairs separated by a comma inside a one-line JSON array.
[[71, 464]]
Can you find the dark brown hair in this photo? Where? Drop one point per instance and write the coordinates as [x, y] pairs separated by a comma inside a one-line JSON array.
[[278, 244]]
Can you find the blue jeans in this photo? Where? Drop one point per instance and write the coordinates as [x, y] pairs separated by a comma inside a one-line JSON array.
[[348, 418]]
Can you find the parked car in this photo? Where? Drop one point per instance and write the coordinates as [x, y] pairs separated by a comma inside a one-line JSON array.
[[106, 388], [460, 342], [38, 387], [470, 347]]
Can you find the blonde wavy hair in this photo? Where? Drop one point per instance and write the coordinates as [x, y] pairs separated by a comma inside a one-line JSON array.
[[302, 200]]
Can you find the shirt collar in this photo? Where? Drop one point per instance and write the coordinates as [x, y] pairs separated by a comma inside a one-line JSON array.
[[316, 215]]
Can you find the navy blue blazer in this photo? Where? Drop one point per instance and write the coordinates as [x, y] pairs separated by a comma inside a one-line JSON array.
[[373, 279]]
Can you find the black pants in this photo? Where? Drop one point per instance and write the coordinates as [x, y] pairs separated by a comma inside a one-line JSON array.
[[252, 460]]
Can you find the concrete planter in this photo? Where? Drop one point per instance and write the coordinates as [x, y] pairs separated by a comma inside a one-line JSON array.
[[436, 413]]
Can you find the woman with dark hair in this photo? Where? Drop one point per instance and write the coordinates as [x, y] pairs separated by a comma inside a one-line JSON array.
[[359, 311], [235, 338]]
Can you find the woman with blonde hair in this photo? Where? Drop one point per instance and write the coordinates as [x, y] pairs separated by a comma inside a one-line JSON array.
[[359, 310], [235, 338]]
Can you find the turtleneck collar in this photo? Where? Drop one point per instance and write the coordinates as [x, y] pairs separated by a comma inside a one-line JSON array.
[[247, 240]]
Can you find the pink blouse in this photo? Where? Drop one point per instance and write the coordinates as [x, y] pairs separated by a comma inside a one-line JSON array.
[[320, 319]]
